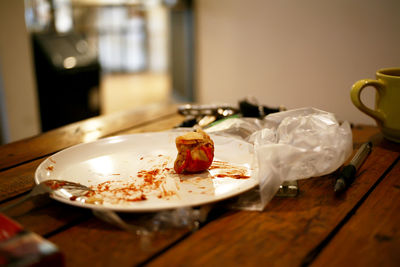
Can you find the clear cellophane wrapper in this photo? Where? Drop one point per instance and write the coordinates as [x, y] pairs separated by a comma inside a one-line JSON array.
[[290, 145]]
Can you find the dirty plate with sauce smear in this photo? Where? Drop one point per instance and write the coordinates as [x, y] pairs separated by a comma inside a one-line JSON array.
[[134, 173]]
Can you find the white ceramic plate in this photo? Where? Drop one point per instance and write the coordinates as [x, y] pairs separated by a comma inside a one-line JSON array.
[[134, 173]]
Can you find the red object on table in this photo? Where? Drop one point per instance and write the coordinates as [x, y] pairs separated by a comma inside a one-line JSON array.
[[19, 247]]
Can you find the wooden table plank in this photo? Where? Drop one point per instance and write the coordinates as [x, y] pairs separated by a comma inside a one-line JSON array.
[[100, 244], [85, 240], [45, 216], [59, 222], [286, 232], [163, 125], [20, 179], [17, 180], [88, 130], [372, 235], [365, 133]]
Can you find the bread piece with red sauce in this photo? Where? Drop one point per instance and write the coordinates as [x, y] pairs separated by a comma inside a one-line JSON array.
[[195, 152]]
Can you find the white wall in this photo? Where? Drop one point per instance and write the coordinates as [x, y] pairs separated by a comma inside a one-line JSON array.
[[295, 53], [16, 70]]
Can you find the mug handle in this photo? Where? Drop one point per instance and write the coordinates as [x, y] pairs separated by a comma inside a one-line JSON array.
[[356, 93]]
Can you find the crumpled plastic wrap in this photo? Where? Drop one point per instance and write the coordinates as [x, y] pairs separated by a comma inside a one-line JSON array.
[[290, 145]]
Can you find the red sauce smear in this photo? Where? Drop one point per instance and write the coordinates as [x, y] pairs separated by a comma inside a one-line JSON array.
[[229, 171], [126, 191], [152, 179], [54, 185], [235, 176], [50, 168]]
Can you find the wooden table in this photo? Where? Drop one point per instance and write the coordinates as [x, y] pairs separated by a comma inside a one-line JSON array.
[[358, 228]]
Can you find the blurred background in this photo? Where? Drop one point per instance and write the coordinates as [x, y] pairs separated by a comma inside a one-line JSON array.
[[66, 60]]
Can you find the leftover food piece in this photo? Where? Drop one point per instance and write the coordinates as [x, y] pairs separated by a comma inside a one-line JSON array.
[[195, 152]]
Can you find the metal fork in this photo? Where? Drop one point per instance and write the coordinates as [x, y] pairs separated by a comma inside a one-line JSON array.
[[50, 186]]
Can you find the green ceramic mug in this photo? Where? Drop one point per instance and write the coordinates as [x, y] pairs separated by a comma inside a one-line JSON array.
[[387, 101]]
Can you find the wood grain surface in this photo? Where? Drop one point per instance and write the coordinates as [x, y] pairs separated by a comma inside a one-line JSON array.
[[105, 245], [88, 130], [83, 238], [308, 229], [20, 179], [372, 236], [286, 232]]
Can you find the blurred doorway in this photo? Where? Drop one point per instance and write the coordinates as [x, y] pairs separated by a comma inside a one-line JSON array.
[[144, 52]]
